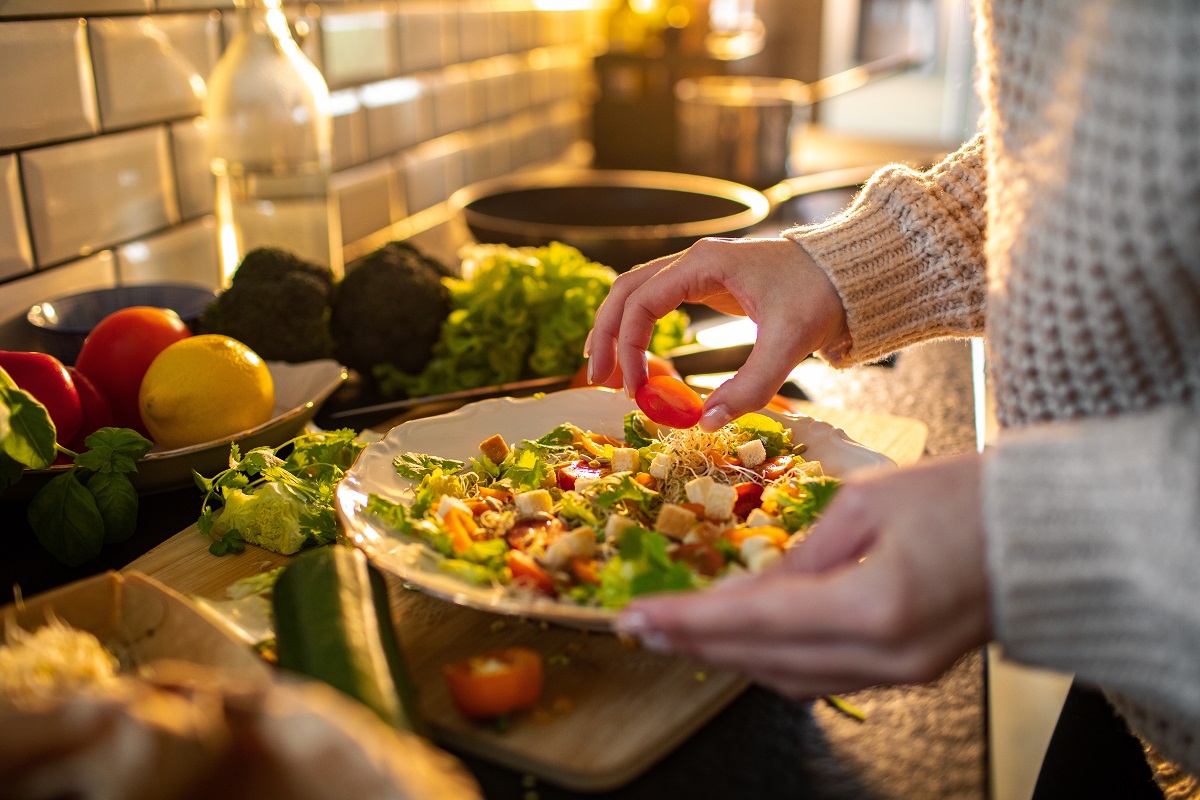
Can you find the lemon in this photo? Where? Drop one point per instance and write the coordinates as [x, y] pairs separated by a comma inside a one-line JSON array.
[[204, 388]]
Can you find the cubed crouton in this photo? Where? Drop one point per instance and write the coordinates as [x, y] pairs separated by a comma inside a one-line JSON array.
[[674, 521], [702, 532], [697, 488], [577, 543], [764, 559], [532, 503], [752, 453], [615, 526], [660, 466], [719, 501], [494, 448], [624, 459], [582, 482], [757, 518], [812, 469]]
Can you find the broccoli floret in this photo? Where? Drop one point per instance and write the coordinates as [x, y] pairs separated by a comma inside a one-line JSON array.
[[278, 305], [389, 309]]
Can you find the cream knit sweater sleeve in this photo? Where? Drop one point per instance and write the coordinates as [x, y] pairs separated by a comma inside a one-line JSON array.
[[907, 256]]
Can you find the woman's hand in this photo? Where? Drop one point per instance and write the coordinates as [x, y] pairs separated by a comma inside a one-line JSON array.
[[772, 281], [890, 587]]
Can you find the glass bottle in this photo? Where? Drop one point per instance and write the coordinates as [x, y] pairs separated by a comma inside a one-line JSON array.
[[269, 133]]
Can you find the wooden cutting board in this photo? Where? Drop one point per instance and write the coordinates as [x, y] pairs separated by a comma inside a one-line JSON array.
[[607, 713]]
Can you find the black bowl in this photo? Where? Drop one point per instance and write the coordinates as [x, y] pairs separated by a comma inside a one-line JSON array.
[[61, 324]]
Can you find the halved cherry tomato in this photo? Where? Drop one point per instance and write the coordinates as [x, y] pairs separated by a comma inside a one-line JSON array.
[[669, 401], [778, 536], [524, 531], [655, 365], [495, 683], [569, 473], [773, 468], [749, 497], [528, 573], [585, 570]]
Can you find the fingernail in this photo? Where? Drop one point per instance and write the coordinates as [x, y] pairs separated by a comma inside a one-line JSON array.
[[589, 372], [630, 392], [655, 642], [714, 418], [587, 346]]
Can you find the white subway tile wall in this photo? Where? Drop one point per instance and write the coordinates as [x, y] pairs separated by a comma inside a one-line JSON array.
[[104, 174]]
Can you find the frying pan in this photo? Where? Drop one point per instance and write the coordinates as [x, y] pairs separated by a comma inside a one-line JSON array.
[[623, 218]]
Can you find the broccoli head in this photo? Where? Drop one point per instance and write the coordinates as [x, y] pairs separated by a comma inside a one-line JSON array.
[[278, 305], [389, 309]]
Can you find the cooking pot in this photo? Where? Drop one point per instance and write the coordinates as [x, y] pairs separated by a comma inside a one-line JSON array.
[[623, 218]]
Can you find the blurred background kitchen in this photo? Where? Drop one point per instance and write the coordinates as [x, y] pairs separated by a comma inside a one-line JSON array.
[[104, 155]]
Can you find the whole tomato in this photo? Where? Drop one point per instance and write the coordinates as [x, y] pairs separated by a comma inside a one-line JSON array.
[[45, 377], [657, 365], [97, 411], [118, 351]]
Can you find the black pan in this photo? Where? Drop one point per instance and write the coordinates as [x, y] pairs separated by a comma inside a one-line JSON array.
[[626, 217]]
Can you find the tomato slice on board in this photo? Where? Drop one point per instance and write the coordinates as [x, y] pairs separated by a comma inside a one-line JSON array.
[[669, 401], [495, 683]]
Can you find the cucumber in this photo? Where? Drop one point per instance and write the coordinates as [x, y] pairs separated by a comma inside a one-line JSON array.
[[333, 623]]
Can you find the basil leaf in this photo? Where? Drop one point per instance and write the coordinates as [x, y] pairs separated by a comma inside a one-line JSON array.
[[26, 431], [10, 471], [113, 450], [117, 501], [66, 521]]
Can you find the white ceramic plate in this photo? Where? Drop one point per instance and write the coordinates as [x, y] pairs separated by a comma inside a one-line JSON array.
[[457, 435], [299, 391]]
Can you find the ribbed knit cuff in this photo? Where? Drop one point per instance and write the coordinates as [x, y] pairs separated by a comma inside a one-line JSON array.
[[1093, 548], [906, 257]]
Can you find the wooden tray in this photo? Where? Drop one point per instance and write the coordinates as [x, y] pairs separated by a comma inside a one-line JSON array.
[[607, 712]]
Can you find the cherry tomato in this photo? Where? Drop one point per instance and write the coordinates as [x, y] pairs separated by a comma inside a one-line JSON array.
[[45, 377], [773, 468], [528, 573], [586, 570], [118, 351], [749, 497], [656, 365], [569, 473], [97, 411], [669, 401], [495, 683]]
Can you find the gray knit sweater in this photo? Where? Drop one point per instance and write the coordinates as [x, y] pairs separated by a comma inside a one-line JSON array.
[[1067, 232]]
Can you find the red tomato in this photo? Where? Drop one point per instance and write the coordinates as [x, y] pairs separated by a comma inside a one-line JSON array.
[[495, 683], [669, 401], [569, 473], [773, 468], [45, 377], [656, 365], [528, 573], [749, 497], [97, 411], [118, 351]]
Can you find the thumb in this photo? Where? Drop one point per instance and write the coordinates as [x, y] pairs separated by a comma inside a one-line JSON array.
[[843, 535]]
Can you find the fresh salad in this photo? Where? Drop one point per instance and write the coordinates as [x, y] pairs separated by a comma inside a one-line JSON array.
[[593, 520]]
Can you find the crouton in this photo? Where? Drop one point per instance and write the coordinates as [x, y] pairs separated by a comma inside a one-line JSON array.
[[763, 559], [532, 503], [752, 453], [757, 518], [697, 488], [494, 448], [674, 521], [577, 543], [448, 502], [615, 526], [719, 501], [660, 466], [624, 459]]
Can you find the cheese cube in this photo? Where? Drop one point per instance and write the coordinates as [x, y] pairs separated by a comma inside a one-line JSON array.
[[752, 453], [719, 501], [624, 459], [674, 521], [759, 518], [615, 526], [697, 488], [448, 502], [532, 503], [660, 466]]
